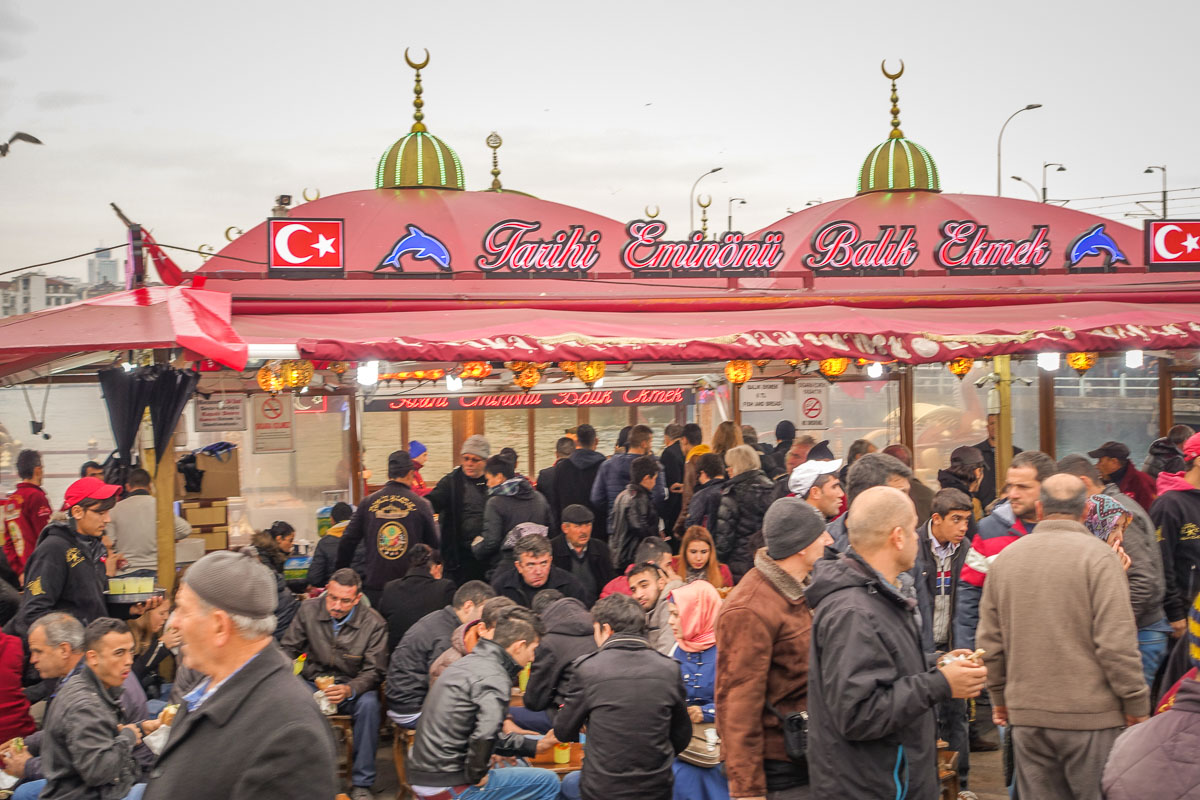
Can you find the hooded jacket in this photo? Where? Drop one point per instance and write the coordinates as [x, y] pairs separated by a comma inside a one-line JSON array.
[[948, 480], [508, 505], [706, 500], [1159, 753], [408, 667], [390, 521], [871, 695], [25, 513], [462, 642], [612, 478], [744, 500], [460, 726], [573, 480], [996, 531], [568, 636], [406, 600], [84, 755], [325, 555], [631, 698], [763, 636], [1176, 517], [65, 573], [1163, 456]]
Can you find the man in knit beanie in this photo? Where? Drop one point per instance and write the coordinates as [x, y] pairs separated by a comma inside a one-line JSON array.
[[250, 729], [459, 499]]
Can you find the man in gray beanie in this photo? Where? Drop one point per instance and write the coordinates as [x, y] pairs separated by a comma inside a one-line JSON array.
[[459, 499], [250, 729], [765, 619]]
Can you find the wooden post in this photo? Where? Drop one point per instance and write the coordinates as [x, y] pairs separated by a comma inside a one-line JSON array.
[[164, 510], [356, 459], [1166, 409], [907, 408], [735, 400], [1046, 419], [1003, 368]]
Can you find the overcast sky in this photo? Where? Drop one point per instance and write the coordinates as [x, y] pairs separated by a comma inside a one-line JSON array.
[[192, 117]]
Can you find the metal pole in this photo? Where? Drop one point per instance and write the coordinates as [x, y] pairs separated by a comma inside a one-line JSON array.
[[1000, 140], [1164, 172], [692, 199], [1003, 368]]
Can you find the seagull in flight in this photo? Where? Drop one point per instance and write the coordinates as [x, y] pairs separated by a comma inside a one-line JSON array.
[[17, 137]]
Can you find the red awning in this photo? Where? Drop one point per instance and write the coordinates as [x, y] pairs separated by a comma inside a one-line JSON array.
[[912, 335], [154, 317]]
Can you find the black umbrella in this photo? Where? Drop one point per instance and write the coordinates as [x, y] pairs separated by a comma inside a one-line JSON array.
[[126, 395], [169, 395]]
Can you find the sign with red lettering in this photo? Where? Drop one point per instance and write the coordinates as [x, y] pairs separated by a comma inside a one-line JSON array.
[[506, 246], [570, 399], [307, 247], [732, 253], [274, 423]]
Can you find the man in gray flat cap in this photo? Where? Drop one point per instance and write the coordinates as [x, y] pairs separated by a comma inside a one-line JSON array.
[[250, 729]]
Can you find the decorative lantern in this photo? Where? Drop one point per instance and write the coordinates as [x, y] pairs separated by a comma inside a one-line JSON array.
[[959, 367], [478, 370], [338, 367], [834, 367], [527, 378], [762, 364], [269, 377], [589, 372], [1082, 362], [794, 364], [568, 366], [540, 366], [738, 371], [296, 373], [519, 366]]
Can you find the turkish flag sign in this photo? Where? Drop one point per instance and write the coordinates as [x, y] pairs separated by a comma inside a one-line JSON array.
[[1173, 241], [305, 244]]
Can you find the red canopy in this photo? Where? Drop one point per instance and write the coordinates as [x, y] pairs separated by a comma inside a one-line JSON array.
[[911, 335], [154, 317]]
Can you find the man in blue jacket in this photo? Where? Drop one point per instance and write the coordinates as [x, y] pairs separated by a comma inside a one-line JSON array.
[[613, 475]]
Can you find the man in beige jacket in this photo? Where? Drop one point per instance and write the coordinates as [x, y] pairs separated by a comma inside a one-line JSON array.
[[1061, 642]]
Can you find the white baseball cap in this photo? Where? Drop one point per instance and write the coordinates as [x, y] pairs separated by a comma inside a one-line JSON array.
[[805, 475]]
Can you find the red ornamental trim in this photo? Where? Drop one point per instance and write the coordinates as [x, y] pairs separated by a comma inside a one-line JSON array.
[[732, 253]]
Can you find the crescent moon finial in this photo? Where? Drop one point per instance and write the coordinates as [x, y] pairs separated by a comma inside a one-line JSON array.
[[422, 65], [888, 75], [652, 214], [206, 251], [233, 228], [307, 199], [702, 203]]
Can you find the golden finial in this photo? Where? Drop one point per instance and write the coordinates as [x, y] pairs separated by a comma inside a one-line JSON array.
[[896, 132], [651, 214], [494, 141], [418, 103], [704, 204]]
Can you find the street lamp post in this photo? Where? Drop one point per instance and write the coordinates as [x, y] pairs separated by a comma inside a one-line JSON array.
[[741, 201], [692, 199], [1163, 169], [1032, 188], [1000, 139], [1045, 165]]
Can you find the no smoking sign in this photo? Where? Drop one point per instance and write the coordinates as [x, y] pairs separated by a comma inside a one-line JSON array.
[[812, 398]]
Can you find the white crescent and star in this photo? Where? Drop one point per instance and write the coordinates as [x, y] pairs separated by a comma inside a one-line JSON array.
[[323, 245], [1160, 241]]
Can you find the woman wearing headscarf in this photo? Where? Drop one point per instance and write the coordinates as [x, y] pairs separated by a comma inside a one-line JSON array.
[[693, 619], [1107, 520]]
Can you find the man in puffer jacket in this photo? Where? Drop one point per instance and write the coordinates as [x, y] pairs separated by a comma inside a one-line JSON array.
[[744, 500], [568, 636], [614, 474], [1176, 516], [1166, 454], [511, 501]]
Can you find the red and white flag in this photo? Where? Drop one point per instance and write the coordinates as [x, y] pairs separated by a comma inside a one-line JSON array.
[[1173, 241], [304, 244], [167, 269]]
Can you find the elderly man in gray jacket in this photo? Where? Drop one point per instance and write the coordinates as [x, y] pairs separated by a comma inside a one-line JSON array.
[[249, 730]]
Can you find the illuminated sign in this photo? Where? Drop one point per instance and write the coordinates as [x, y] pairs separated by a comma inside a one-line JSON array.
[[420, 246], [1173, 245], [965, 247], [571, 399], [308, 248], [840, 246], [506, 246], [731, 253]]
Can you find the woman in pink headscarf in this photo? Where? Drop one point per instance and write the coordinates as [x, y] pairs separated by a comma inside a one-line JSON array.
[[693, 619]]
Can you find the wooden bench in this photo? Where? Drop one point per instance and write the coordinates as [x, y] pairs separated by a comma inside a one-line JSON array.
[[402, 739], [343, 733]]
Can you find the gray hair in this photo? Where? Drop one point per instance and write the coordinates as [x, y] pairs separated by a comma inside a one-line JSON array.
[[742, 458], [247, 627], [60, 628], [1063, 495]]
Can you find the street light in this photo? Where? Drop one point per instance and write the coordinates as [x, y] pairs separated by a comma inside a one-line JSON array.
[[692, 199], [1163, 169], [741, 201], [1032, 188], [1000, 139], [1045, 165]]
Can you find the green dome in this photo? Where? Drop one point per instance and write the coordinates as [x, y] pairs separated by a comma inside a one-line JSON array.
[[419, 159], [899, 165]]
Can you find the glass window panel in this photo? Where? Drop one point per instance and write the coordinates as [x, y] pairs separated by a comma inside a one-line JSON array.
[[658, 418], [1185, 399], [550, 425], [381, 437], [509, 428], [1109, 402], [608, 423], [862, 410]]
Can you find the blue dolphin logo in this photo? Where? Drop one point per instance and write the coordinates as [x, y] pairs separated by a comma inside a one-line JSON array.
[[419, 245], [1093, 243]]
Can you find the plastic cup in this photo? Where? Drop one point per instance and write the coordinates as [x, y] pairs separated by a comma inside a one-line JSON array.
[[562, 753], [116, 585]]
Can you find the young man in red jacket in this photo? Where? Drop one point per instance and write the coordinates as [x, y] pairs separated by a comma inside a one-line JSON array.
[[26, 512], [1112, 459]]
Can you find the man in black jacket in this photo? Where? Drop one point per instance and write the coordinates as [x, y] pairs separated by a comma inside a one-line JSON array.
[[574, 476], [940, 557], [66, 570], [631, 699], [672, 459], [710, 482], [459, 499], [461, 727], [422, 591], [250, 728], [534, 571], [986, 492], [1176, 516], [871, 695], [391, 521], [576, 552], [634, 513], [511, 501], [545, 478], [568, 636], [408, 668]]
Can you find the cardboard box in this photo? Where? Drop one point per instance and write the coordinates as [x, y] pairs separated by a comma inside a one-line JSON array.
[[222, 477], [205, 513], [215, 537]]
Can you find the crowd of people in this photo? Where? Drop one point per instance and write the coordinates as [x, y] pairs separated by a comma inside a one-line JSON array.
[[713, 620]]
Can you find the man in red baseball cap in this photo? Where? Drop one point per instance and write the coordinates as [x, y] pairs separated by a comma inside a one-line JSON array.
[[1176, 516], [66, 571]]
